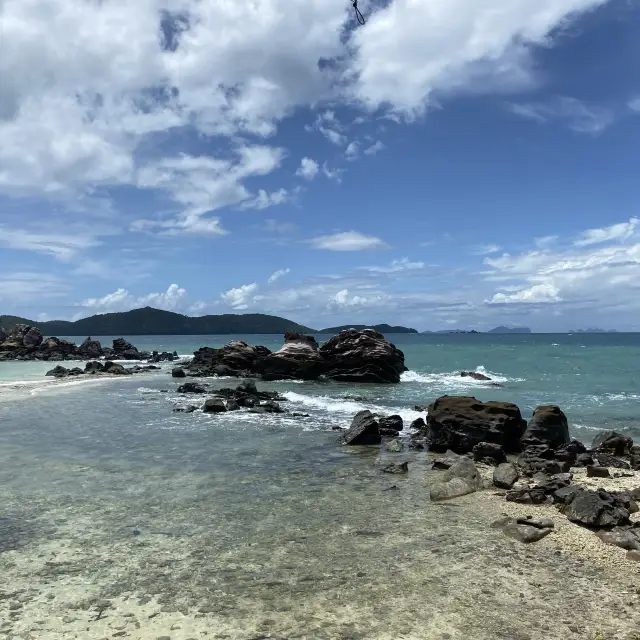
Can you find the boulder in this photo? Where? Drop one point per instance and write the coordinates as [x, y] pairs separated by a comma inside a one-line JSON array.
[[178, 372], [462, 478], [548, 426], [584, 460], [390, 426], [32, 338], [58, 372], [594, 509], [505, 475], [297, 359], [234, 359], [570, 452], [612, 443], [115, 368], [362, 356], [363, 430], [214, 405], [598, 472], [459, 423], [418, 424], [191, 387], [489, 453], [90, 348], [94, 367]]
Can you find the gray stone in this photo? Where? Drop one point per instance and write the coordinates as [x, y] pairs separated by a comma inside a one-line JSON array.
[[363, 431], [625, 538], [505, 475], [461, 479], [214, 405], [598, 472], [524, 533], [394, 446], [538, 523], [178, 372]]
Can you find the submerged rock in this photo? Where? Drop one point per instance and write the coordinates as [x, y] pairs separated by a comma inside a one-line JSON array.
[[459, 423], [214, 405], [191, 387], [524, 530], [394, 446], [401, 468], [178, 372], [461, 479], [475, 375]]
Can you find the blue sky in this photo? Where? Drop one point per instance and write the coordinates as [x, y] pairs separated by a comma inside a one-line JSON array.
[[452, 164]]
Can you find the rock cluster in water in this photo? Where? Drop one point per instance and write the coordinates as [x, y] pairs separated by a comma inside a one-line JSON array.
[[351, 356], [97, 368], [23, 342]]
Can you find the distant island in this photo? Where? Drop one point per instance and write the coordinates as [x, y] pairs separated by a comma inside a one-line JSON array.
[[510, 330], [592, 330], [382, 328], [154, 322]]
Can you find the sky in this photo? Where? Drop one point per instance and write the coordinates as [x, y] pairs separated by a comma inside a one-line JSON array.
[[451, 164]]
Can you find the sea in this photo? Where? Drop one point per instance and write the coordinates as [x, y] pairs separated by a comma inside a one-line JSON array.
[[116, 511]]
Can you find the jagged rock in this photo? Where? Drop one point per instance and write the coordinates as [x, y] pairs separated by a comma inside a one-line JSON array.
[[592, 508], [612, 443], [391, 424], [584, 460], [362, 356], [489, 453], [598, 472], [475, 375], [234, 359], [548, 426], [178, 372], [32, 338], [191, 387], [540, 458], [541, 492], [505, 475], [459, 423], [58, 372], [297, 359], [462, 478], [363, 430], [401, 468], [607, 460], [626, 538], [214, 405], [115, 368], [570, 452], [165, 356], [94, 367], [90, 348]]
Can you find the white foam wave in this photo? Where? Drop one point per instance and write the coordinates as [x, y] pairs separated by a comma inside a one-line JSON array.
[[347, 408], [455, 380]]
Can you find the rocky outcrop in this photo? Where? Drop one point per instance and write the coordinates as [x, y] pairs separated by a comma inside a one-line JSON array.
[[612, 443], [298, 359], [548, 426], [362, 356], [26, 343], [96, 368], [460, 423], [234, 359], [505, 475]]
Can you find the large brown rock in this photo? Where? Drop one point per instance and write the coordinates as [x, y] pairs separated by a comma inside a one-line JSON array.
[[362, 356], [364, 430], [90, 348], [548, 426], [460, 423], [298, 359]]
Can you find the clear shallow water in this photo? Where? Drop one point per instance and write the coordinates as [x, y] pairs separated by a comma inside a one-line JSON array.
[[263, 524]]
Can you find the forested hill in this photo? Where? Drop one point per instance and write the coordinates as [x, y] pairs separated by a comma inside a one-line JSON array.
[[148, 321]]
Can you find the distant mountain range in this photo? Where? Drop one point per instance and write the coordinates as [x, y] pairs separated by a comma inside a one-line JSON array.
[[592, 330], [382, 328], [150, 322]]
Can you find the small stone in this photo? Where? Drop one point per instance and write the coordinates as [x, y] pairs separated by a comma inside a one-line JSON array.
[[403, 467]]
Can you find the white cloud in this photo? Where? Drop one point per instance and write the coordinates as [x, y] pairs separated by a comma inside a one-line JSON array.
[[264, 199], [344, 300], [485, 249], [63, 246], [579, 116], [351, 152], [122, 300], [333, 136], [348, 241], [333, 174], [621, 231], [472, 46], [308, 169], [240, 297], [396, 266], [374, 148], [536, 294], [276, 275]]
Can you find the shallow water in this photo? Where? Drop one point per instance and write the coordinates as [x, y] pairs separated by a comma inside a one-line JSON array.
[[257, 525]]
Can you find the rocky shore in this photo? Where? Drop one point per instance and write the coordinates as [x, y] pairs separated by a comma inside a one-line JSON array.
[[25, 342]]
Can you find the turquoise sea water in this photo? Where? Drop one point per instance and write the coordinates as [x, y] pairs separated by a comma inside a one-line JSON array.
[[259, 525]]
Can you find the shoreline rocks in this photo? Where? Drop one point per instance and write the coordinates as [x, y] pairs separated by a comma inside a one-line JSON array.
[[99, 368], [24, 342]]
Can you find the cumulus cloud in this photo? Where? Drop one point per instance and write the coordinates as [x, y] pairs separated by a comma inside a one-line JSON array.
[[274, 277], [122, 300], [308, 169], [536, 294], [240, 297], [621, 231], [347, 241]]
